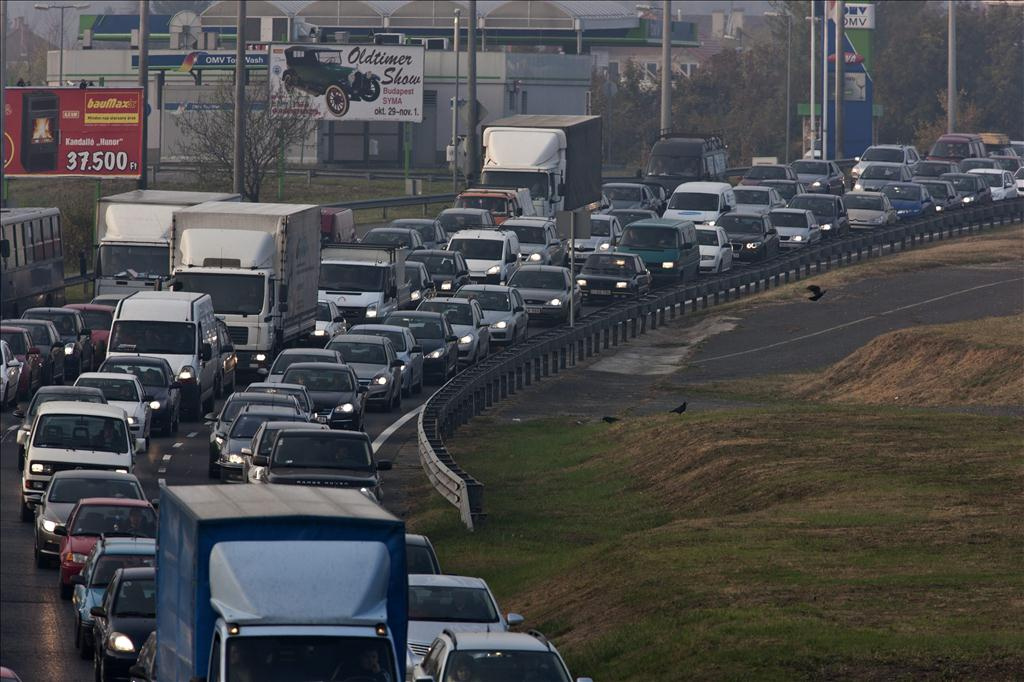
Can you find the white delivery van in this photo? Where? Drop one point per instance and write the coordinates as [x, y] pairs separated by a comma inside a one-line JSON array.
[[179, 327], [492, 255], [701, 202]]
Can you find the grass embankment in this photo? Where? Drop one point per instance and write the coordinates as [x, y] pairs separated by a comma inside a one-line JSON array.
[[803, 540]]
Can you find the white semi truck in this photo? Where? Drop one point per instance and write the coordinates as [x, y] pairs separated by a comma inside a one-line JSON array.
[[259, 263], [133, 237]]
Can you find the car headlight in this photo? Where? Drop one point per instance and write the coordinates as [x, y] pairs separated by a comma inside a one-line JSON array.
[[581, 282], [968, 200], [154, 405], [371, 311], [501, 324], [668, 265], [534, 257], [555, 301], [219, 440], [858, 187], [938, 209], [622, 285], [435, 354], [604, 246], [187, 373], [49, 526], [816, 183], [118, 642], [261, 357], [415, 296], [381, 380], [446, 286], [319, 332], [69, 349], [827, 226], [466, 340], [753, 245], [76, 558], [39, 468], [798, 238], [494, 270], [347, 408], [234, 459], [132, 421]]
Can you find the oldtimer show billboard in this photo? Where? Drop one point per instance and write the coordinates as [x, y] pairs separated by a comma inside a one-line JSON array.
[[91, 132], [348, 82]]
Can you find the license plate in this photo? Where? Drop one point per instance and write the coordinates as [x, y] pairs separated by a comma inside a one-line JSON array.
[[601, 292], [322, 420], [533, 310]]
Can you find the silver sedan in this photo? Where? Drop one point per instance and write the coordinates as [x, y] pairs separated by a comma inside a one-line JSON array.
[[548, 291]]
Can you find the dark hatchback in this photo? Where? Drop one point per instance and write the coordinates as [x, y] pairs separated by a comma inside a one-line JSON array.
[[447, 269], [751, 235], [123, 621], [335, 459], [434, 334], [829, 210], [614, 274], [338, 399]]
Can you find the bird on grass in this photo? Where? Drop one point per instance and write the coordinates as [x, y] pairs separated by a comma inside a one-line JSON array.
[[680, 409], [816, 292], [609, 420]]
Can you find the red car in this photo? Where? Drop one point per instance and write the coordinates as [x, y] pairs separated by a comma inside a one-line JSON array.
[[98, 319], [20, 341], [93, 517]]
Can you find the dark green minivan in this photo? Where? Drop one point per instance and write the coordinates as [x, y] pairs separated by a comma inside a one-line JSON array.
[[668, 247]]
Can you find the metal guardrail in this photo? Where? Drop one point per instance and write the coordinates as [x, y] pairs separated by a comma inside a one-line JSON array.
[[424, 200], [479, 387]]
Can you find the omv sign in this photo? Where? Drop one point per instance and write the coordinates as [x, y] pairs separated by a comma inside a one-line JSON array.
[[859, 16]]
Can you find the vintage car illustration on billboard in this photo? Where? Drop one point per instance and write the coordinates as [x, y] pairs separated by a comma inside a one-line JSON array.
[[321, 71]]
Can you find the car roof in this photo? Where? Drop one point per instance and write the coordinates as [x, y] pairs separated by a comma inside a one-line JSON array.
[[136, 572], [80, 408], [464, 211], [757, 188], [377, 328], [800, 211], [434, 252], [988, 171], [527, 221], [11, 328], [495, 235], [890, 164], [400, 222], [432, 314], [542, 268], [95, 473], [120, 544], [631, 185], [279, 424], [900, 184], [771, 182], [266, 398], [258, 409], [817, 196], [91, 306], [50, 309], [888, 146], [455, 300], [707, 187], [392, 228], [483, 287], [119, 376], [69, 390], [276, 385], [307, 351], [324, 366], [435, 580], [516, 641], [357, 338], [338, 434], [134, 360], [21, 321], [113, 502]]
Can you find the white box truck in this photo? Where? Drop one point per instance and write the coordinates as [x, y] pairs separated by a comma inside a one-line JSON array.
[[133, 237], [259, 263]]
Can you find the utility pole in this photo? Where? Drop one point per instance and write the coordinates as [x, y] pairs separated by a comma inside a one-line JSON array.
[[61, 8], [666, 66], [811, 99], [840, 78], [472, 163], [238, 167], [455, 110], [824, 83], [144, 84], [951, 69], [3, 85], [789, 59]]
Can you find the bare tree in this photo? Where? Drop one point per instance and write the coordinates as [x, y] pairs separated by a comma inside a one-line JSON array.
[[208, 132]]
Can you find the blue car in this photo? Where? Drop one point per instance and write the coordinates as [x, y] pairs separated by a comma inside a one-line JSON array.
[[910, 199], [108, 555]]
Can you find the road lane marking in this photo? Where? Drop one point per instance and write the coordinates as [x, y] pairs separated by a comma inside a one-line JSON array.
[[193, 434], [177, 445], [166, 457], [398, 423], [162, 470], [854, 322]]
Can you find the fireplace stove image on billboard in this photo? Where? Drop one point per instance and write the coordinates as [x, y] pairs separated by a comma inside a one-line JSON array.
[[40, 135]]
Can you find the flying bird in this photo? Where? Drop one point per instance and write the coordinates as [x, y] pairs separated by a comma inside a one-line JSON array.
[[680, 409], [609, 420], [816, 292]]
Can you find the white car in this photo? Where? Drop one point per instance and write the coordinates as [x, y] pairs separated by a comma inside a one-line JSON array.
[[492, 656], [715, 251], [1018, 177], [1000, 181], [10, 376], [757, 199], [124, 391], [329, 321], [906, 155]]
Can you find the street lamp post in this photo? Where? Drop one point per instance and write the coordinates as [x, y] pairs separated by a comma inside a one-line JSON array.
[[789, 52], [62, 7], [455, 109]]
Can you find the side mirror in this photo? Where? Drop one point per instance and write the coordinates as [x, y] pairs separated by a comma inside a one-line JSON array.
[[362, 389], [416, 349], [384, 465], [481, 324], [263, 371], [209, 417], [14, 363], [338, 318], [396, 363], [206, 352], [137, 671], [247, 452], [85, 332], [61, 530], [98, 612], [78, 579], [140, 445], [155, 502], [227, 348], [451, 339], [147, 398], [514, 619], [18, 413], [260, 461], [519, 309], [174, 385]]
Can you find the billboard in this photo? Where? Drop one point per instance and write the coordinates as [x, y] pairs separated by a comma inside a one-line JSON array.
[[92, 132], [348, 82]]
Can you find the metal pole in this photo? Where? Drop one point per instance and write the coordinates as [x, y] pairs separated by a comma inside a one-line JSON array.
[[951, 69], [666, 66], [455, 111], [813, 102], [572, 267], [839, 152], [144, 84], [60, 83], [3, 86], [824, 84], [472, 164], [238, 169], [789, 36]]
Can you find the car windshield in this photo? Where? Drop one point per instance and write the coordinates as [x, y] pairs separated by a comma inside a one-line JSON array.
[[64, 322], [931, 169], [436, 265], [231, 294], [490, 300], [741, 225], [528, 234], [323, 312], [503, 665], [38, 331], [498, 205], [246, 425], [153, 338], [233, 407], [608, 264], [148, 375], [883, 154], [810, 167], [451, 604], [133, 261], [539, 279], [971, 164], [136, 598], [418, 559], [97, 319], [396, 337], [103, 519], [938, 190], [113, 389], [902, 192], [693, 201], [421, 327], [789, 219], [478, 249], [951, 149], [689, 166], [17, 342], [766, 173], [993, 179], [351, 277], [356, 352], [321, 449], [457, 313], [864, 203], [600, 227], [963, 183], [707, 238], [877, 172], [106, 565], [267, 439], [786, 190], [70, 490], [824, 206], [414, 275], [388, 238], [627, 217], [623, 193], [75, 396], [752, 196], [336, 381], [650, 237], [286, 360], [453, 222]]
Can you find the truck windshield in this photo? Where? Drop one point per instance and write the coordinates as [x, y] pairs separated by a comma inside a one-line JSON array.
[[686, 166], [304, 658], [133, 261], [157, 338], [651, 238], [231, 294], [321, 450], [528, 234], [80, 432], [537, 183], [496, 205], [478, 249], [348, 277]]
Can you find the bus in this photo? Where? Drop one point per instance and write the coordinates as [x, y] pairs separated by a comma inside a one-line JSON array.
[[31, 259]]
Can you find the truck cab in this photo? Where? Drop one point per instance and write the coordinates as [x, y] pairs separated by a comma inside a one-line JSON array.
[[365, 282], [501, 202]]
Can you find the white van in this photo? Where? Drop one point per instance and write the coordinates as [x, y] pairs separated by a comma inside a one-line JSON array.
[[701, 202], [75, 435], [492, 255], [179, 327]]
